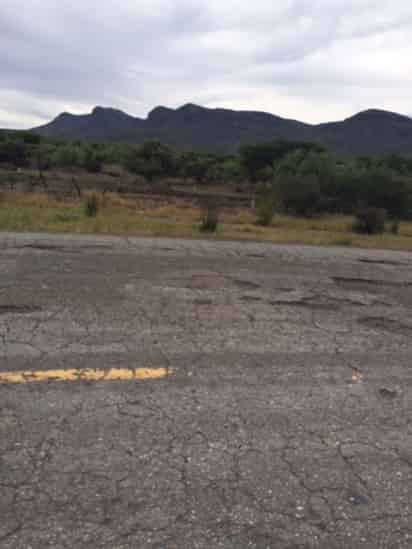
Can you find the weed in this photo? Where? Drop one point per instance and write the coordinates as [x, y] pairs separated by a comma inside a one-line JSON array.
[[144, 216], [265, 210], [369, 221], [92, 204], [395, 226], [210, 218]]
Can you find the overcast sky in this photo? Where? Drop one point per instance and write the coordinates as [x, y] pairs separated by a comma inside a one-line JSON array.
[[313, 60]]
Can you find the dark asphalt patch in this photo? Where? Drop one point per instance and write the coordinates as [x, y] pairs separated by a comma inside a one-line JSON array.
[[356, 283], [202, 302], [250, 298], [382, 262], [307, 304], [389, 394], [246, 284], [19, 309], [386, 324]]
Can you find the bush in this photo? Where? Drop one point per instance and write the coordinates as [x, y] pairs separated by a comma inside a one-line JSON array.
[[299, 195], [395, 227], [92, 161], [370, 221], [210, 218], [265, 210], [92, 204]]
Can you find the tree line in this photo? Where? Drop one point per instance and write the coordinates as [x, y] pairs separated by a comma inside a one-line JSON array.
[[298, 178]]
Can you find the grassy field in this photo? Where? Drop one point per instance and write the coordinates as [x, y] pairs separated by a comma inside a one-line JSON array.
[[119, 216]]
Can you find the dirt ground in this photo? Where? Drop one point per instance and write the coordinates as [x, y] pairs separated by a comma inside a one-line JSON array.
[[281, 418]]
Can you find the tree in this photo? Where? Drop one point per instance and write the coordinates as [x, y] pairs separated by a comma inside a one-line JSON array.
[[13, 152], [299, 195], [195, 165], [258, 160], [43, 157], [229, 170], [30, 138], [255, 158], [151, 160], [396, 163], [68, 157], [92, 160], [379, 188]]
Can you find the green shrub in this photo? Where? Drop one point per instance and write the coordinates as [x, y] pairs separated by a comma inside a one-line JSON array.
[[210, 219], [299, 195], [265, 210], [92, 204], [92, 161], [395, 227], [369, 221]]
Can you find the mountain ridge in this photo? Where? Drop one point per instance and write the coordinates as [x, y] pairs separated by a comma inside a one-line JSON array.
[[372, 131]]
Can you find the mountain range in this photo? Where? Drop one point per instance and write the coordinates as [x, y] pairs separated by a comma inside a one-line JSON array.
[[370, 132]]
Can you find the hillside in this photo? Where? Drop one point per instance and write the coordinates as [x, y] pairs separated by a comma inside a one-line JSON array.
[[370, 132]]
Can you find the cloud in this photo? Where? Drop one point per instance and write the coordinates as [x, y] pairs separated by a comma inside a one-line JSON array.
[[312, 60]]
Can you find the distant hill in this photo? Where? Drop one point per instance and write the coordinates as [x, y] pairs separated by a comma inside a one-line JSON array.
[[370, 132]]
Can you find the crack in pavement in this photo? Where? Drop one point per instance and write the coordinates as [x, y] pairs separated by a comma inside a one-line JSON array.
[[282, 426]]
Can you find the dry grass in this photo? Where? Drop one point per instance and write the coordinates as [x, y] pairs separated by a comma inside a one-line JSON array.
[[173, 213], [113, 200], [38, 212]]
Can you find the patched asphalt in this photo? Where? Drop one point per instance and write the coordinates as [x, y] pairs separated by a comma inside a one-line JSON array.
[[282, 418]]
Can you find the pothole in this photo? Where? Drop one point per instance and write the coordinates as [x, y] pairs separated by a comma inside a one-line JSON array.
[[388, 394], [202, 302], [307, 304], [18, 309], [386, 324], [249, 298], [246, 284], [355, 283], [382, 262]]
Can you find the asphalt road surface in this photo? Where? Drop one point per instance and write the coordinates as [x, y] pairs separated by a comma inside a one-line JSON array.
[[267, 398]]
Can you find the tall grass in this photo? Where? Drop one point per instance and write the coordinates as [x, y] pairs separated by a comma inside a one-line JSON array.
[[210, 218], [39, 212]]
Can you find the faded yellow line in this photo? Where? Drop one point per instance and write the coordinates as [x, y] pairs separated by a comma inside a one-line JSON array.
[[87, 374]]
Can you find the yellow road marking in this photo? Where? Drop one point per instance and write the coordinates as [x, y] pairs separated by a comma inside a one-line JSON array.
[[87, 374]]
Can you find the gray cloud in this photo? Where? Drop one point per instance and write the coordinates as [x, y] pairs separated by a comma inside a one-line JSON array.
[[307, 59]]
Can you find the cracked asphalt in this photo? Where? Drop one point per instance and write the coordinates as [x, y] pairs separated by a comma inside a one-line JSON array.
[[284, 422]]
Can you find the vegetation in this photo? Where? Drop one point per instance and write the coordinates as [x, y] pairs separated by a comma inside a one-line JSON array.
[[265, 209], [285, 178], [395, 227], [118, 215], [210, 218], [258, 160], [370, 221], [92, 204], [306, 179]]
